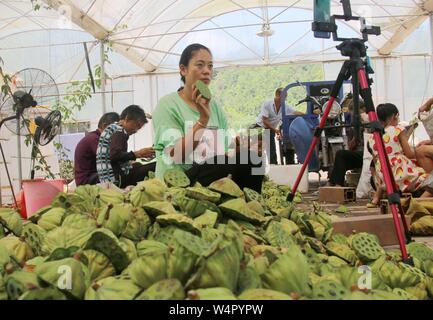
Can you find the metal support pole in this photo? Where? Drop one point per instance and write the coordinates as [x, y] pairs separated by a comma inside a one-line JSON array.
[[20, 170], [104, 101]]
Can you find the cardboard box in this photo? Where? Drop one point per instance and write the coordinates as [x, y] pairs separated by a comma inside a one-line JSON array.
[[337, 194]]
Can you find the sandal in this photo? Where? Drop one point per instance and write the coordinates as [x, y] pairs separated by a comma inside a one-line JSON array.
[[371, 205]]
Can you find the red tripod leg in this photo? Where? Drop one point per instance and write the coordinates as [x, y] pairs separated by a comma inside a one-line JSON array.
[[393, 196], [400, 207], [343, 75]]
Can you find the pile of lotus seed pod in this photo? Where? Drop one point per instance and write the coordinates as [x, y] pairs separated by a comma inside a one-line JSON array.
[[169, 240]]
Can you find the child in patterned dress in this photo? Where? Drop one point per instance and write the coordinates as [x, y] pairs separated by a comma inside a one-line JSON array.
[[408, 174]]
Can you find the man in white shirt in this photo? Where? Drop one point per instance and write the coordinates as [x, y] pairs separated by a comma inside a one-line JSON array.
[[270, 117]]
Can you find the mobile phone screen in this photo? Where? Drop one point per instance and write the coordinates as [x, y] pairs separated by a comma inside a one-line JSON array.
[[322, 13]]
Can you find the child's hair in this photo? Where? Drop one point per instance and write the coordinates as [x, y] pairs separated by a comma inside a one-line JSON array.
[[386, 111], [134, 112], [108, 119], [188, 53]]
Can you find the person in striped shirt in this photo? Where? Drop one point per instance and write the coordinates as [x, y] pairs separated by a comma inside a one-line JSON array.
[[114, 162]]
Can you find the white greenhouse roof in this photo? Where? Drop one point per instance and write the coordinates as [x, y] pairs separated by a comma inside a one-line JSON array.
[[152, 33]]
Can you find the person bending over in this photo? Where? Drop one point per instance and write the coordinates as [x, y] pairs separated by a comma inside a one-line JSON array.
[[85, 153]]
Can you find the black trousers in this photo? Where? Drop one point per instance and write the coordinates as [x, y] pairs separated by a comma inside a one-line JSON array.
[[245, 173], [272, 150], [136, 174], [345, 160]]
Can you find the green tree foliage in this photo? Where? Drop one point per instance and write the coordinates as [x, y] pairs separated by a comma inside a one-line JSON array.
[[242, 91]]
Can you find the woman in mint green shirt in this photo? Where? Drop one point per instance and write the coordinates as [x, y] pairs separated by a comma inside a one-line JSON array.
[[191, 131]]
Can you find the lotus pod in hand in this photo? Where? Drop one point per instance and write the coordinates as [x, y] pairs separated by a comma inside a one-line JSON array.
[[69, 275], [112, 288], [147, 191], [218, 293], [176, 178], [203, 89], [289, 273], [20, 282], [11, 220], [263, 294], [167, 289], [18, 248], [226, 186]]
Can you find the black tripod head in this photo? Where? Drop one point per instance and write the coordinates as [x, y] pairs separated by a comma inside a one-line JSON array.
[[353, 48]]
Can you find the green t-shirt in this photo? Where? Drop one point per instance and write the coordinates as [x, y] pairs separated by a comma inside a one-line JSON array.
[[172, 119]]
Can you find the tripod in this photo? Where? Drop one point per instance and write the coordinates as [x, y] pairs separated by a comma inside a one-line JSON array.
[[355, 68]]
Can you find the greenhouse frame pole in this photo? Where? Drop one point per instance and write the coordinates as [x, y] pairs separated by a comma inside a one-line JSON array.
[[104, 100], [431, 39]]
